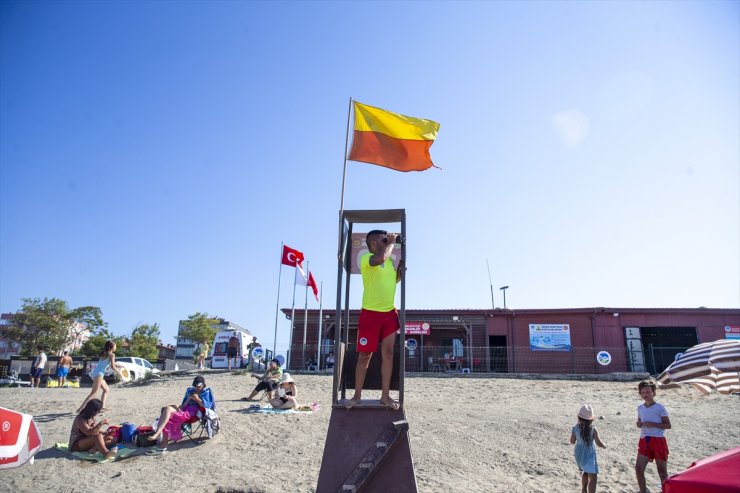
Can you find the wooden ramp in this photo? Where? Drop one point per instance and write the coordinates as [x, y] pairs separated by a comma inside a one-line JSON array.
[[367, 450]]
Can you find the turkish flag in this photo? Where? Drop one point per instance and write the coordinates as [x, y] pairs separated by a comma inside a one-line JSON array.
[[292, 257], [312, 283]]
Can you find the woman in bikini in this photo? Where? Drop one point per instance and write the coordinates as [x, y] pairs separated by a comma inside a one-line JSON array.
[[86, 436], [286, 395]]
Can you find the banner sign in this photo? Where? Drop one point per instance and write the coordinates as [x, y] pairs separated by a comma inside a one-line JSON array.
[[418, 329], [549, 337], [732, 332]]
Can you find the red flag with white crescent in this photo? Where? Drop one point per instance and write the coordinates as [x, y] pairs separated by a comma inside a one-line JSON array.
[[292, 257]]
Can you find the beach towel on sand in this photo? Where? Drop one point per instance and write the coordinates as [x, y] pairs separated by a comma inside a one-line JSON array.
[[96, 457], [305, 409]]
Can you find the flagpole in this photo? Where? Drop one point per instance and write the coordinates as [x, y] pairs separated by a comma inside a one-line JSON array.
[[277, 304], [305, 320], [292, 317], [321, 320], [344, 168]]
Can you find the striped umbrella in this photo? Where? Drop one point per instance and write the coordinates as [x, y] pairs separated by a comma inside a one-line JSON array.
[[706, 366]]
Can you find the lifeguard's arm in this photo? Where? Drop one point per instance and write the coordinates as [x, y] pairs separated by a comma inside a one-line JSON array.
[[400, 270], [572, 438], [597, 439], [381, 257]]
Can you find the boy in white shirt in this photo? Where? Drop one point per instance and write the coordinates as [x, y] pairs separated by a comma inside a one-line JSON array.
[[37, 369], [653, 420]]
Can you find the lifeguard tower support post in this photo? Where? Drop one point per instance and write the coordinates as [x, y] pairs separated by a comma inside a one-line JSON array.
[[367, 447]]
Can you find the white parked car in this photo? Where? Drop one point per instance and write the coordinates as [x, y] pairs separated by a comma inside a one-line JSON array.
[[137, 368]]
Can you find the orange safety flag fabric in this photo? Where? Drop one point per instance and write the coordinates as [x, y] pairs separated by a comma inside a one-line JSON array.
[[392, 140]]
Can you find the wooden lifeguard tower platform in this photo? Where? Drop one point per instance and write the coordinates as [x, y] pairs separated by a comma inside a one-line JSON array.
[[367, 447]]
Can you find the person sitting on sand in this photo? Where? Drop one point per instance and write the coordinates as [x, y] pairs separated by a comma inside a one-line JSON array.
[[269, 381], [287, 393], [171, 418], [107, 358], [86, 436]]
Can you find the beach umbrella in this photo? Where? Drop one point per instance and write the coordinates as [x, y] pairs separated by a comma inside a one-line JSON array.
[[20, 438], [706, 366], [719, 473]]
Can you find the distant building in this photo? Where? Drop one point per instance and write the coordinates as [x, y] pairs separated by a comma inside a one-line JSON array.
[[186, 348], [77, 336], [8, 348], [166, 351]]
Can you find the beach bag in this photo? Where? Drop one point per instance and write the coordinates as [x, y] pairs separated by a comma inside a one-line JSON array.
[[113, 431], [142, 436], [128, 430]]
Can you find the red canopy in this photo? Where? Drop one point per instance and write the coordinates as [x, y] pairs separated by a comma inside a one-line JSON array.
[[19, 438], [719, 473]]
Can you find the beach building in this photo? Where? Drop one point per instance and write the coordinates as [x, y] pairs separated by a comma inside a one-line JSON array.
[[560, 341]]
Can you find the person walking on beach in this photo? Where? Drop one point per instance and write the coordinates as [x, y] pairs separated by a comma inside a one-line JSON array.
[[653, 420], [202, 355], [63, 366], [233, 350], [585, 437], [250, 348], [107, 358], [378, 318], [38, 367]]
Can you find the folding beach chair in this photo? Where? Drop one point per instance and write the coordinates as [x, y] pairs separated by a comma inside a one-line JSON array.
[[206, 422]]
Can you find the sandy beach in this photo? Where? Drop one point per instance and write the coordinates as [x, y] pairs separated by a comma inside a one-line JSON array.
[[468, 434]]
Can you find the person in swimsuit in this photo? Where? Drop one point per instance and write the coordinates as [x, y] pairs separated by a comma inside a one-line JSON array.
[[286, 395], [107, 358], [86, 435], [63, 366]]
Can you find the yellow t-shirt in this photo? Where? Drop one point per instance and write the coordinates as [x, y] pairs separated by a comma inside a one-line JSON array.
[[379, 283]]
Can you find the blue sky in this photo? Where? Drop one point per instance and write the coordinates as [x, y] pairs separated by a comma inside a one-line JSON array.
[[154, 155]]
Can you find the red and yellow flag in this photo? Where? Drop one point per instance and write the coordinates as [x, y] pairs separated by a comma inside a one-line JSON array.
[[395, 141]]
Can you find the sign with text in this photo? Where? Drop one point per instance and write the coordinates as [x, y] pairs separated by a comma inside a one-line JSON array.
[[418, 328], [549, 337]]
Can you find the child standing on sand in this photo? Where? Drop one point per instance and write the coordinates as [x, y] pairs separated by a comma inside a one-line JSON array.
[[653, 420], [584, 435]]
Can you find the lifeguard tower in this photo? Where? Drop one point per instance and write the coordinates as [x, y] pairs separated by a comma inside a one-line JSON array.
[[367, 447]]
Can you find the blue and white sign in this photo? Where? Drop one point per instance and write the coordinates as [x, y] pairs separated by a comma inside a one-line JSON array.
[[411, 344], [549, 337], [258, 353], [604, 358]]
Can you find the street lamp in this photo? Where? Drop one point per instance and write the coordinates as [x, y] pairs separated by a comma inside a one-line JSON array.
[[504, 288]]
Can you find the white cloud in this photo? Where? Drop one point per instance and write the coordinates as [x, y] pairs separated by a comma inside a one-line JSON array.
[[571, 126]]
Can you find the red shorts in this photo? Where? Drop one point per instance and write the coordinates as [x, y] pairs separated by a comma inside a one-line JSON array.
[[374, 327], [653, 448]]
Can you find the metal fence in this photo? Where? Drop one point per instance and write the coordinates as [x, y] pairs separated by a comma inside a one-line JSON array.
[[500, 359]]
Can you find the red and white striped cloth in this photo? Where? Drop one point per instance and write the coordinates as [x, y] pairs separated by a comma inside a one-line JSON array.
[[706, 366]]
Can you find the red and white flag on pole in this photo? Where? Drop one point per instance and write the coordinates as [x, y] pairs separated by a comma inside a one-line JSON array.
[[312, 284], [292, 257], [300, 276]]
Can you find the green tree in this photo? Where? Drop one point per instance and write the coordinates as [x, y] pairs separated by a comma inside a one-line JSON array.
[[144, 340], [200, 328], [51, 323], [94, 345]]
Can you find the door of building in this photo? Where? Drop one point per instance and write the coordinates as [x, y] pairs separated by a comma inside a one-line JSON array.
[[497, 346], [661, 344]]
